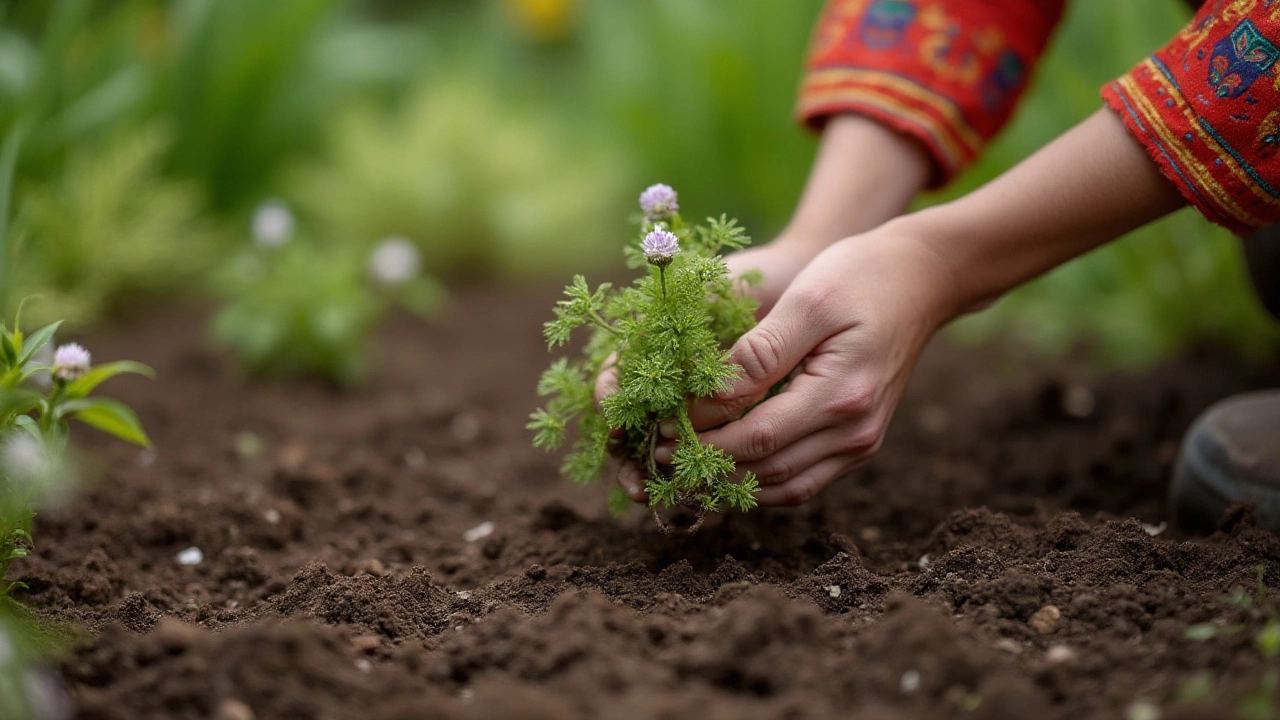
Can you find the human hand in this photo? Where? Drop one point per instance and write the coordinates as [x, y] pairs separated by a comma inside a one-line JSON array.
[[851, 325]]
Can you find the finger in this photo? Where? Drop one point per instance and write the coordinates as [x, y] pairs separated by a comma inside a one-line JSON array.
[[793, 461], [632, 481], [803, 487], [607, 379], [767, 353], [774, 425]]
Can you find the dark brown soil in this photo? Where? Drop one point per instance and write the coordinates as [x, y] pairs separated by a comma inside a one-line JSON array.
[[337, 581]]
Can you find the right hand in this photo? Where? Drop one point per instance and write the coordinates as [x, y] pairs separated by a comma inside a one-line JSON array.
[[779, 263]]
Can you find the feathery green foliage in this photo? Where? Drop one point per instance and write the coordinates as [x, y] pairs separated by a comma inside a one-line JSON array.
[[665, 336], [112, 229]]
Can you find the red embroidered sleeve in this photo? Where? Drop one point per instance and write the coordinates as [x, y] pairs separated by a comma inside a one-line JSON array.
[[947, 72], [1207, 109]]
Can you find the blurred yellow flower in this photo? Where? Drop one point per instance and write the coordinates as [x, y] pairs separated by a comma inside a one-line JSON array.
[[542, 20]]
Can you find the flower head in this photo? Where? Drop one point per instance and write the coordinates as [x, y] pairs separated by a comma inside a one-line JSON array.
[[272, 224], [660, 247], [394, 261], [659, 201], [70, 362]]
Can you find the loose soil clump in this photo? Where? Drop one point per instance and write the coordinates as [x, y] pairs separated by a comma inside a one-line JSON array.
[[404, 553]]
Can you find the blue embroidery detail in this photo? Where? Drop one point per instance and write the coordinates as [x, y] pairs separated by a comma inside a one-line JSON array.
[[1002, 80], [886, 23], [1239, 59], [1246, 167], [1137, 120]]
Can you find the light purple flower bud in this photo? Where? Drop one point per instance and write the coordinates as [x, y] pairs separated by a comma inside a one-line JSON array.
[[659, 201], [660, 247], [70, 362]]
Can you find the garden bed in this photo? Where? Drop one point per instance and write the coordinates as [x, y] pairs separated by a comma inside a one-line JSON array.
[[346, 572]]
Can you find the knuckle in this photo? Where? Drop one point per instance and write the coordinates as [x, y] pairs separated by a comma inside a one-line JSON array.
[[774, 472], [856, 401], [865, 441], [761, 441], [799, 492], [761, 352], [820, 306]]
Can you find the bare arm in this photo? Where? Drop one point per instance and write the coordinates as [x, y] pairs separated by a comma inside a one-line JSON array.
[[855, 321]]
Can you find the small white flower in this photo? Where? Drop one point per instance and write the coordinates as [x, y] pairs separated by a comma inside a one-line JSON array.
[[273, 224], [394, 261], [25, 459], [70, 362]]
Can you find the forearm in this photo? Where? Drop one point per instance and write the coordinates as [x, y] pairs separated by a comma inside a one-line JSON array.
[[864, 175], [1090, 186]]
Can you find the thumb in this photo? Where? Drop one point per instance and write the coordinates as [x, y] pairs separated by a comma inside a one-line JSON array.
[[767, 354]]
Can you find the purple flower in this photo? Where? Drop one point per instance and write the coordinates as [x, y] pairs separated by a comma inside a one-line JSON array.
[[660, 247], [658, 201], [70, 362]]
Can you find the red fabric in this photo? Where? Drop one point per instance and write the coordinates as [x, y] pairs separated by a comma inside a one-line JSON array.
[[1207, 109], [947, 72]]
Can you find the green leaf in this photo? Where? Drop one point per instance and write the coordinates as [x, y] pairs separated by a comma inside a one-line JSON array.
[[38, 339], [17, 401], [85, 384], [110, 416]]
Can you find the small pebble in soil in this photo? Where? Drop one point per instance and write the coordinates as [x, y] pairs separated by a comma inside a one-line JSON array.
[[1142, 710], [147, 458], [910, 682], [479, 532], [272, 516], [415, 458], [1009, 645], [870, 534], [232, 709], [924, 561], [1078, 402], [191, 556], [365, 643], [1154, 530], [465, 427], [246, 445], [464, 594], [363, 665], [833, 591], [535, 572], [1059, 655], [1045, 620]]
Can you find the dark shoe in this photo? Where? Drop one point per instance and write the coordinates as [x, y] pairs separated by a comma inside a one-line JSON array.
[[1231, 454], [1262, 256]]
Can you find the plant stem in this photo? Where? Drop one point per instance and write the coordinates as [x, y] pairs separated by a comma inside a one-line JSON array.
[[662, 276]]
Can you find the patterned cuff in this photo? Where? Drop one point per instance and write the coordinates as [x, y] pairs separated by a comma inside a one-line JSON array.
[[1205, 109], [948, 74]]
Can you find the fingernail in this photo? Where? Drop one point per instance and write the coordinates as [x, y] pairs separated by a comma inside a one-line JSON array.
[[668, 429], [662, 455]]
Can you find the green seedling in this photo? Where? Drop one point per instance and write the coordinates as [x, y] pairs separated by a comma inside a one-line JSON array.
[[34, 425], [665, 338]]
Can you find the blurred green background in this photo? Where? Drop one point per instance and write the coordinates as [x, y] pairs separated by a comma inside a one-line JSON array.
[[504, 138]]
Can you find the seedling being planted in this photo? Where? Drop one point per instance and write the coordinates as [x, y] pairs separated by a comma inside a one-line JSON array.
[[666, 338], [34, 425]]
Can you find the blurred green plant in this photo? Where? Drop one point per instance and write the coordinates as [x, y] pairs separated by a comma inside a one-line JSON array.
[[112, 228], [477, 185], [297, 306], [28, 691], [1253, 624]]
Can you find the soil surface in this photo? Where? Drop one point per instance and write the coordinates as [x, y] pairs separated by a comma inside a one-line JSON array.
[[402, 552]]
